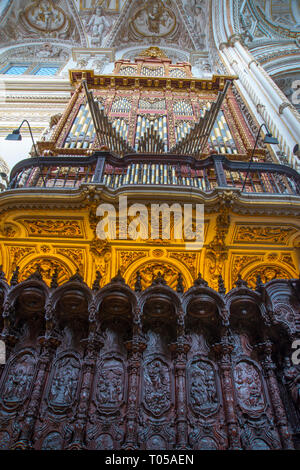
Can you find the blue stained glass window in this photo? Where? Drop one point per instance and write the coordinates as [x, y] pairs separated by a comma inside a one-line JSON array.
[[15, 70], [46, 71]]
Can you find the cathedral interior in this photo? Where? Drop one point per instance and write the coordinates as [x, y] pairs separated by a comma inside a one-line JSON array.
[[145, 342]]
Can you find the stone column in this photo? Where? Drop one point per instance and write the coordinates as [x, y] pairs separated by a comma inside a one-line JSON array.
[[270, 88], [265, 350], [263, 96], [223, 350], [179, 350]]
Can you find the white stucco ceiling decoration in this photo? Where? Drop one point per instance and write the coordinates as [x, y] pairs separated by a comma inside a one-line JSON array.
[[160, 22], [262, 20], [39, 20]]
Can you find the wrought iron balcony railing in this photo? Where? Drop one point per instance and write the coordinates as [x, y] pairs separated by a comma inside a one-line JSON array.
[[113, 172]]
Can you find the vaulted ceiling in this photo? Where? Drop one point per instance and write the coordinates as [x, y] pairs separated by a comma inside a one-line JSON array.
[[102, 23]]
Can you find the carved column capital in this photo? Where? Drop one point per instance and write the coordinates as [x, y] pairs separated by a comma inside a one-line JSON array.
[[234, 38], [283, 105]]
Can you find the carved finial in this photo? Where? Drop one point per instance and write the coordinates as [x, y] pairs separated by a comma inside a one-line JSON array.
[[221, 289], [259, 283], [118, 278], [200, 281], [138, 284], [96, 283], [37, 274], [2, 275], [153, 51], [54, 283], [76, 277], [179, 287], [15, 277], [240, 282], [159, 280]]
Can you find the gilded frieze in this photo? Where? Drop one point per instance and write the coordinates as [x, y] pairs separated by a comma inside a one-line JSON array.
[[189, 259], [266, 234], [48, 267], [150, 271], [267, 273], [126, 258], [50, 227]]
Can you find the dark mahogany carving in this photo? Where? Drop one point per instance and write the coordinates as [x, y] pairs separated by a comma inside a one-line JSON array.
[[113, 368]]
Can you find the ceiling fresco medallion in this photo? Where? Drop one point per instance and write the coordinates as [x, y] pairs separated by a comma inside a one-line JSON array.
[[154, 20], [45, 16]]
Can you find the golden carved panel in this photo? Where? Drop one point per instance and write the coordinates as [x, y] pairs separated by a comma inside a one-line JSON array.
[[76, 255], [47, 267], [17, 253], [267, 273], [189, 259], [50, 227], [126, 258], [150, 271], [266, 234], [240, 262]]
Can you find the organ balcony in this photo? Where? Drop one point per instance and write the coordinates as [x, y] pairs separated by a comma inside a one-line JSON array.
[[109, 171]]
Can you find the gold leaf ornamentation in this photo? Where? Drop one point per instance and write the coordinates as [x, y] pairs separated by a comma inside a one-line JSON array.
[[53, 228]]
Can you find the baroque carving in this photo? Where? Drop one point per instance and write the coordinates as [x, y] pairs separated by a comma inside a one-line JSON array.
[[104, 442], [40, 19], [151, 270], [18, 253], [189, 259], [248, 385], [292, 379], [157, 386], [154, 20], [53, 228], [64, 383], [267, 273], [98, 25], [128, 257], [53, 441], [110, 384], [240, 262], [76, 255], [203, 397], [47, 267], [18, 382], [4, 440], [263, 234]]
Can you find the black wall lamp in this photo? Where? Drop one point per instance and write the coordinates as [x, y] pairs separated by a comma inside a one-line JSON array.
[[268, 139], [16, 135]]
